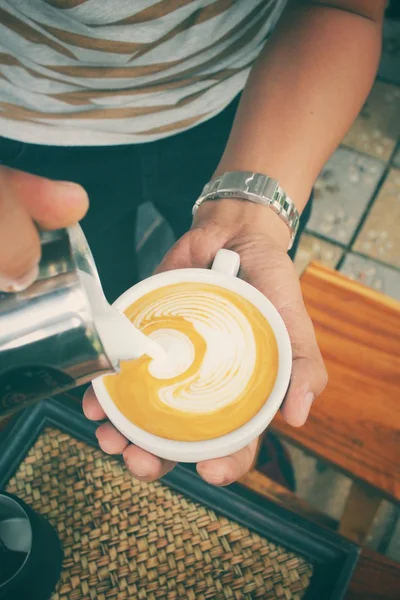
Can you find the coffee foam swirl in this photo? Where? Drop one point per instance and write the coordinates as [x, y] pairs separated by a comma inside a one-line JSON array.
[[229, 356], [213, 347], [179, 354]]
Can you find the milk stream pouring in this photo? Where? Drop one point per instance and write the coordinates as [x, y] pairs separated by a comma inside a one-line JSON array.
[[61, 332]]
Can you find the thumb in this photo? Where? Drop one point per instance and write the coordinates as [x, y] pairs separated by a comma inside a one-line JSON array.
[[51, 204], [196, 249], [27, 200], [309, 379], [309, 376]]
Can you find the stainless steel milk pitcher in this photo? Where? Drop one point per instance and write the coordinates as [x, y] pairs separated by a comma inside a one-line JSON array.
[[48, 336]]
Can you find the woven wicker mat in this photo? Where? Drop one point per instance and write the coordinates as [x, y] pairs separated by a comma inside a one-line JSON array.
[[127, 540]]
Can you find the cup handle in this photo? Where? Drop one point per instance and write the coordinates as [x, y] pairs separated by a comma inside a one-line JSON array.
[[226, 262]]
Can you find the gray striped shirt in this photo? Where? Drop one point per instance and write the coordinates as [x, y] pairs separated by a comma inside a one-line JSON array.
[[103, 72]]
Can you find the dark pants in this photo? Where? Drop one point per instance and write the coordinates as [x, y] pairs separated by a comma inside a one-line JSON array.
[[170, 173]]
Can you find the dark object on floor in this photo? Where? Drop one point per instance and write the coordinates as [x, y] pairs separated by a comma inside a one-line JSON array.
[[30, 552], [179, 535], [274, 461], [10, 561], [393, 10]]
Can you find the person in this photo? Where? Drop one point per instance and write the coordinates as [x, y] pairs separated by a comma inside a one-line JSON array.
[[123, 102]]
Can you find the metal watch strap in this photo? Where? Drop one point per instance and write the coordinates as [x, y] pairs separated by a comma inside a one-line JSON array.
[[255, 187]]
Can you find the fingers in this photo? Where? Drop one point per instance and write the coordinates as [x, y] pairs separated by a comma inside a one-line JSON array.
[[25, 200], [146, 466], [19, 245], [141, 464], [223, 471], [309, 378], [51, 204], [91, 406], [111, 441], [196, 249]]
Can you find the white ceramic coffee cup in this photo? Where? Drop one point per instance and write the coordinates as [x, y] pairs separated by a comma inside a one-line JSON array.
[[223, 273]]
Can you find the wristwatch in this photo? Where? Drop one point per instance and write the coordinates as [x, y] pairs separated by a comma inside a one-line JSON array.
[[254, 187]]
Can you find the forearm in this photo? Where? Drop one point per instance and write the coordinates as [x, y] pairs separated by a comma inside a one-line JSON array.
[[303, 94]]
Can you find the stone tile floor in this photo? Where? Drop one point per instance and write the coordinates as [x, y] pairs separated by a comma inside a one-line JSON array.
[[354, 227]]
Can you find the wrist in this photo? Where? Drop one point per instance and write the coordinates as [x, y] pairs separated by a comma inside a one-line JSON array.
[[236, 217]]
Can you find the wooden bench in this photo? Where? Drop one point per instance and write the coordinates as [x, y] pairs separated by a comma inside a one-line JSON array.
[[375, 578], [355, 424]]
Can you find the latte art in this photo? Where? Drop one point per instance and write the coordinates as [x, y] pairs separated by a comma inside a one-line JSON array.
[[179, 354], [228, 360], [219, 367]]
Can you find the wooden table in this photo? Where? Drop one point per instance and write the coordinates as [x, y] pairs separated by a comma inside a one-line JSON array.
[[375, 578], [355, 423]]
